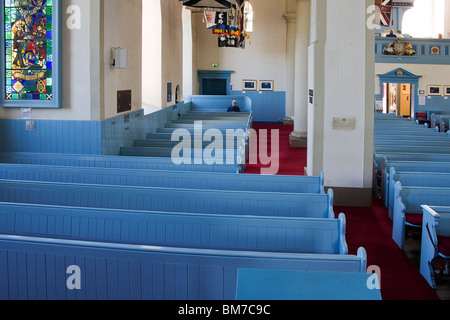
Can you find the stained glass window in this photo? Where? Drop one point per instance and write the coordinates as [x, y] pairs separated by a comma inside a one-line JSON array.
[[29, 56]]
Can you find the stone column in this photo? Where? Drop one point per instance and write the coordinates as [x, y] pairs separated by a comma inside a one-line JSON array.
[[342, 76], [299, 137]]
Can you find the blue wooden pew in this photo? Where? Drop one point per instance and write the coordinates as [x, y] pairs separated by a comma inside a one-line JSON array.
[[168, 136], [418, 179], [164, 179], [211, 119], [206, 126], [379, 140], [400, 126], [380, 158], [380, 173], [299, 285], [413, 142], [435, 240], [36, 268], [201, 231], [387, 116], [410, 166], [412, 149], [221, 202], [121, 162], [408, 210], [215, 116], [220, 104], [192, 131], [219, 156], [160, 143], [422, 137]]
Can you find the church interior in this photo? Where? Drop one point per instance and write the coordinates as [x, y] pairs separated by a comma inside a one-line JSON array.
[[126, 173]]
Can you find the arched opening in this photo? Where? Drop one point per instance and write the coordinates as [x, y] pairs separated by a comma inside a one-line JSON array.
[[248, 17]]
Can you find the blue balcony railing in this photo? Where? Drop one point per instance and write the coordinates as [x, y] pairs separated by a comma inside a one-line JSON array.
[[427, 51]]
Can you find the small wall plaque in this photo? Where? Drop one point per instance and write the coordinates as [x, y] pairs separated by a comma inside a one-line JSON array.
[[344, 124]]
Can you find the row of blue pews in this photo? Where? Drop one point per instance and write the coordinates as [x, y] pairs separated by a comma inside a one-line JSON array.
[[204, 133], [157, 235], [139, 226], [412, 174]]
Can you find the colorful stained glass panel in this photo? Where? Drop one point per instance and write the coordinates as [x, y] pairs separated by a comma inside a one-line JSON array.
[[28, 49]]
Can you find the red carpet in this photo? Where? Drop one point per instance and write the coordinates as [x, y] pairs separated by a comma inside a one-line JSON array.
[[292, 160], [370, 228]]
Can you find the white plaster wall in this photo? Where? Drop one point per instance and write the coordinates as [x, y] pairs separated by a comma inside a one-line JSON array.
[[122, 27], [263, 59]]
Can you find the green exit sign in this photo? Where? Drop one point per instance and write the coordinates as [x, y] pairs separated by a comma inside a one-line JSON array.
[[215, 65]]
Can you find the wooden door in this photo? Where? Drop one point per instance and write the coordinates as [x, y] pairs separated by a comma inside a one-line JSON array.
[[405, 99]]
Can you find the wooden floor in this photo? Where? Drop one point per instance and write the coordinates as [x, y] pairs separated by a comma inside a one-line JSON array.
[[412, 250]]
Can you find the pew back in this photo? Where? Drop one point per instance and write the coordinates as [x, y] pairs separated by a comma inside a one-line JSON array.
[[409, 200], [169, 200], [412, 149], [419, 179], [165, 179], [117, 271], [121, 162], [202, 231]]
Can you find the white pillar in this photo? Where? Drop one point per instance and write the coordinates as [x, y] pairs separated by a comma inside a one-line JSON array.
[[301, 73], [343, 80], [291, 29]]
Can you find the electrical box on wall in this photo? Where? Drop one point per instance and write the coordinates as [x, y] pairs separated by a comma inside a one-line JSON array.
[[119, 58]]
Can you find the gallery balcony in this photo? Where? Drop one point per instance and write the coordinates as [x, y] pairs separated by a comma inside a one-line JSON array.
[[412, 50]]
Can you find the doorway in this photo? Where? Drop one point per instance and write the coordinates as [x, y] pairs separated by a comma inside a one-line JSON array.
[[397, 99], [398, 93]]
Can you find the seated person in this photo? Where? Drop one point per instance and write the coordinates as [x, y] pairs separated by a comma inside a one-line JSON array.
[[234, 107], [391, 34]]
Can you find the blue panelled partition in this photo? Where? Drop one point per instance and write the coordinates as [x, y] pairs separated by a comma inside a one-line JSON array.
[[268, 106], [108, 136], [50, 136], [82, 137]]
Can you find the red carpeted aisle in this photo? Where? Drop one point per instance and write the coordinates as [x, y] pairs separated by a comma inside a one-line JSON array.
[[370, 228], [292, 160]]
